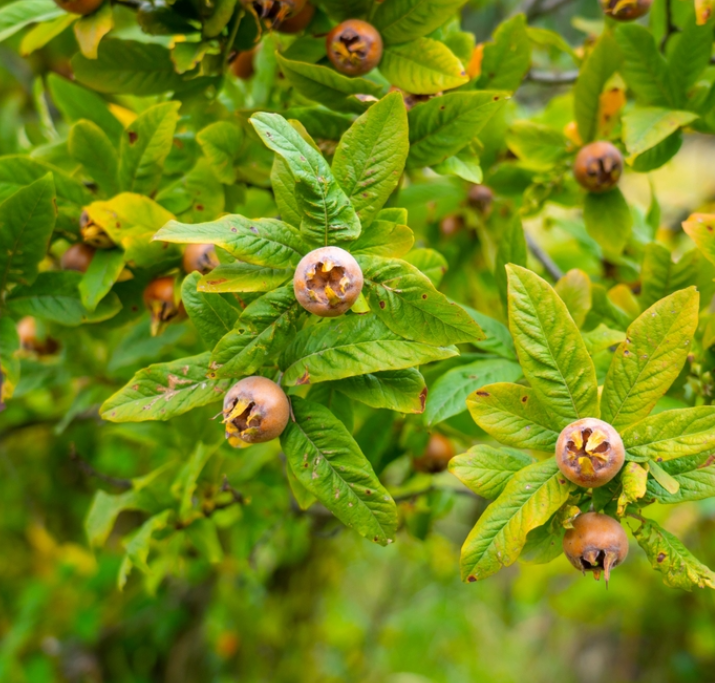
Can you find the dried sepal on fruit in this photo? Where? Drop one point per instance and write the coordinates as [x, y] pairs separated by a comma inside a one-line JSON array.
[[255, 410], [327, 281], [625, 10], [590, 452], [93, 233], [82, 7], [354, 47], [77, 257], [596, 543], [160, 299], [201, 257], [598, 166], [437, 455]]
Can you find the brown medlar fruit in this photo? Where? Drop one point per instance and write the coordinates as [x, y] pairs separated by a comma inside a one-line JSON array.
[[354, 47], [243, 64], [31, 340], [201, 257], [597, 543], [93, 233], [480, 198], [437, 455], [77, 257], [625, 10], [297, 22], [273, 12], [82, 7], [598, 166], [451, 225], [327, 281], [255, 410], [589, 452], [162, 304]]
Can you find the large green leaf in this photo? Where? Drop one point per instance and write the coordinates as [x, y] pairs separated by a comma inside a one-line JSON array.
[[694, 477], [165, 390], [551, 350], [507, 57], [352, 345], [212, 316], [448, 395], [487, 470], [407, 302], [608, 220], [400, 390], [243, 277], [262, 241], [691, 54], [27, 219], [645, 127], [16, 15], [90, 146], [661, 277], [104, 270], [328, 462], [512, 415], [384, 238], [648, 361], [401, 20], [443, 126], [371, 155], [221, 143], [498, 339], [145, 146], [328, 215], [18, 171], [105, 509], [195, 196], [529, 499]]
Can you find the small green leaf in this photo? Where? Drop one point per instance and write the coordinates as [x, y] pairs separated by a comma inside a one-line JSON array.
[[243, 277], [511, 249], [221, 143], [429, 262], [670, 484], [138, 546], [401, 390], [695, 477], [602, 338], [105, 509], [507, 57], [384, 238], [90, 146], [608, 220], [212, 316], [645, 127], [574, 288], [104, 270], [399, 21], [537, 146], [184, 485], [634, 480], [41, 34], [16, 15], [700, 227], [691, 54]]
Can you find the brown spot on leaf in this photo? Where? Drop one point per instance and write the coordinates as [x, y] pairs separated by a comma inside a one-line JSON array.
[[305, 379], [661, 557], [382, 304], [482, 393], [471, 579], [524, 399], [199, 207], [423, 399], [132, 137]]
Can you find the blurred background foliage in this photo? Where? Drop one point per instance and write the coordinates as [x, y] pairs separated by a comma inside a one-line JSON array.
[[295, 596]]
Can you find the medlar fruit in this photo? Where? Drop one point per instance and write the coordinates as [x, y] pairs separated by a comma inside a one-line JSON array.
[[255, 410], [480, 198], [327, 281], [354, 47], [589, 452], [243, 64], [273, 12], [31, 340], [77, 257], [93, 233], [625, 10], [82, 7], [201, 257], [437, 455], [160, 300], [597, 543], [598, 166], [451, 225], [298, 22]]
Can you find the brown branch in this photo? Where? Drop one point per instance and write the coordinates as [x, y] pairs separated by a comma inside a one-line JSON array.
[[87, 469], [543, 258]]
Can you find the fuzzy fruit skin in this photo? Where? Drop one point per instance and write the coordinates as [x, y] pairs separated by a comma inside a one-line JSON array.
[[159, 299], [625, 12], [354, 47], [77, 257], [589, 452], [598, 166], [243, 64], [480, 198], [327, 282], [82, 7], [437, 455], [596, 543], [297, 22], [201, 257], [255, 410]]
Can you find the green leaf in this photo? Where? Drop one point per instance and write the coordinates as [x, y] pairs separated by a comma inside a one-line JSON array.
[[221, 143], [128, 67], [105, 509], [184, 485], [608, 220], [165, 390], [212, 316], [328, 462], [448, 395], [145, 146], [507, 57], [671, 558], [327, 86], [352, 345], [138, 546], [41, 34], [328, 216], [498, 339], [550, 349], [18, 171], [511, 249], [261, 242], [648, 361], [103, 272], [407, 302], [529, 499], [574, 288], [423, 66], [694, 476], [602, 338], [401, 20], [401, 390], [538, 146], [89, 145], [384, 238], [487, 470], [634, 480], [302, 496], [15, 16], [371, 155], [284, 192], [670, 484], [195, 196], [444, 125], [243, 277], [547, 39], [27, 219], [430, 263], [645, 127], [700, 227], [89, 30], [9, 363], [55, 296], [661, 277], [464, 165], [512, 415], [691, 54], [658, 155]]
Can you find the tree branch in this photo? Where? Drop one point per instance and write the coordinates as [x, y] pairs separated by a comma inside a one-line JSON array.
[[87, 469], [543, 258], [541, 8]]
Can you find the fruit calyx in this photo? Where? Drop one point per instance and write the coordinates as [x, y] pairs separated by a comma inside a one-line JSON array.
[[255, 410]]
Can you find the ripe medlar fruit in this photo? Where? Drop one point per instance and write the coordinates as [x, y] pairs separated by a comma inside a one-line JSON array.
[[625, 10], [597, 543], [598, 166], [201, 257], [297, 22], [160, 300], [354, 47], [451, 225], [77, 257], [82, 7], [255, 410], [327, 281], [273, 12], [93, 233], [31, 340], [589, 452], [480, 198], [437, 455], [243, 64]]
